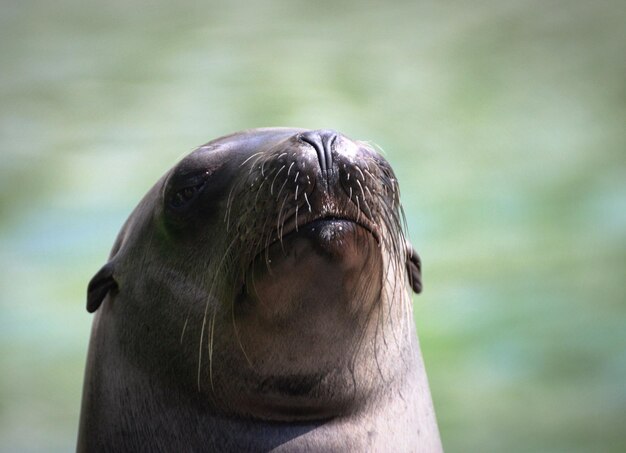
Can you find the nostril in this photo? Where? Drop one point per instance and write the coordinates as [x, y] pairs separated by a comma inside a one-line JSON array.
[[317, 144], [322, 141]]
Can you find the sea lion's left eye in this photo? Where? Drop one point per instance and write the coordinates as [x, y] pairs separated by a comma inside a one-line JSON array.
[[184, 196]]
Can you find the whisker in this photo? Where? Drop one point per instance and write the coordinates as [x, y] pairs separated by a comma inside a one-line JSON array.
[[249, 158], [274, 180]]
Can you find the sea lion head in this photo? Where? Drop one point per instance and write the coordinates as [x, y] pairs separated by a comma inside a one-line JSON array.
[[267, 272]]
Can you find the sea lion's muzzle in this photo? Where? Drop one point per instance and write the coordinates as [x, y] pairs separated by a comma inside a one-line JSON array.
[[317, 181], [316, 213]]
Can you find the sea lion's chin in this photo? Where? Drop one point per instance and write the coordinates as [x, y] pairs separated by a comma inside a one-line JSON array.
[[307, 299], [325, 260]]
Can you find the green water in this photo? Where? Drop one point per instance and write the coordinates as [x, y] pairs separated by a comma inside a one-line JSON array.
[[505, 122]]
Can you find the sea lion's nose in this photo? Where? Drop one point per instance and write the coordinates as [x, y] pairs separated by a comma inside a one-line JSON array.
[[322, 141]]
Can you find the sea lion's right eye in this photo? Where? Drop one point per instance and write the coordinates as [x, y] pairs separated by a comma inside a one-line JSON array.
[[184, 196]]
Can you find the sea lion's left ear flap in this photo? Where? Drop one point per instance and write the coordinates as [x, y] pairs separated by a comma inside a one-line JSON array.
[[414, 268], [99, 286]]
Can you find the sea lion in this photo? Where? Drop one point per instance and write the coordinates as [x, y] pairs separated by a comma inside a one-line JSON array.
[[258, 299]]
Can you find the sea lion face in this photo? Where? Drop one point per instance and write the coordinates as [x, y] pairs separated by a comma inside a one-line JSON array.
[[264, 266]]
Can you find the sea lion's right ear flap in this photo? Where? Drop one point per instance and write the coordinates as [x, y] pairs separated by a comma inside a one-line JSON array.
[[99, 286], [414, 268]]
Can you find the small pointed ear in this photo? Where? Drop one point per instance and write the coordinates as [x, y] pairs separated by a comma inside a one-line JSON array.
[[99, 286], [414, 268]]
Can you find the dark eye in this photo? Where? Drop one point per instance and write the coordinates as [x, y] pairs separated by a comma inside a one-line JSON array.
[[184, 196]]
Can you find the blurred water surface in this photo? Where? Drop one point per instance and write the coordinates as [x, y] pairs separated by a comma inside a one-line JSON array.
[[504, 120]]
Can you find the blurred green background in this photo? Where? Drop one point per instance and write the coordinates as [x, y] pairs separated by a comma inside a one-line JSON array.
[[505, 122]]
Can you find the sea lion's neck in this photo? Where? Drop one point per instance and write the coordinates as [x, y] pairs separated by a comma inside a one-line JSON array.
[[118, 393]]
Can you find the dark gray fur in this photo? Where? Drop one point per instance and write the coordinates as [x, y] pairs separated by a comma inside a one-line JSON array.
[[220, 327]]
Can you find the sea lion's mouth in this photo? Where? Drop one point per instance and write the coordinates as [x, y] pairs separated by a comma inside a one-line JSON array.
[[331, 229], [338, 221], [335, 236]]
